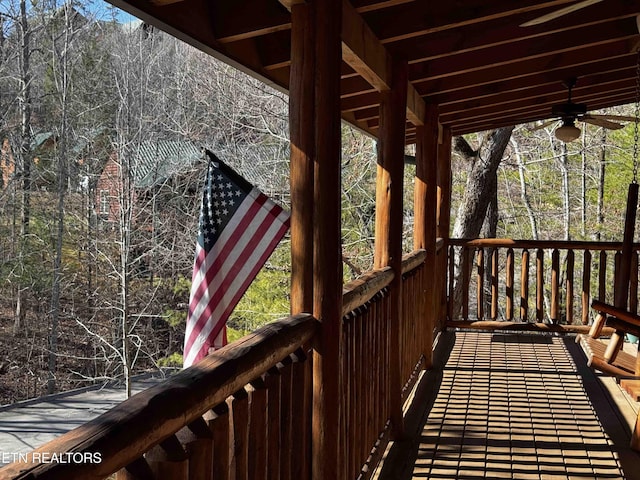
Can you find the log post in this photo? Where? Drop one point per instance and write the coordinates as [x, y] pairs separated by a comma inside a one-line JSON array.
[[301, 133], [327, 259], [443, 216], [388, 236], [425, 203]]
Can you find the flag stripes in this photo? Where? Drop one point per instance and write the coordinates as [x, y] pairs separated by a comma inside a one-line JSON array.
[[223, 272]]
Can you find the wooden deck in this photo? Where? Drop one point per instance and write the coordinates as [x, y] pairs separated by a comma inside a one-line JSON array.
[[514, 406]]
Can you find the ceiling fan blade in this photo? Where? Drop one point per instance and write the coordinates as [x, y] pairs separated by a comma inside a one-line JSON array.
[[601, 122], [621, 118], [559, 13], [543, 125]]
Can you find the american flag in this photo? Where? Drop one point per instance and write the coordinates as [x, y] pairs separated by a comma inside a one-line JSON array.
[[239, 227]]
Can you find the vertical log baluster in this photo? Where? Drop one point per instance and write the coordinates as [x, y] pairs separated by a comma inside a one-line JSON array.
[[617, 261], [494, 284], [540, 285], [451, 264], [569, 286], [239, 411], [220, 427], [135, 471], [197, 439], [555, 286], [272, 381], [259, 428], [524, 286], [633, 284], [602, 276], [168, 460], [286, 444], [466, 254], [299, 408], [480, 283], [586, 286], [509, 284]]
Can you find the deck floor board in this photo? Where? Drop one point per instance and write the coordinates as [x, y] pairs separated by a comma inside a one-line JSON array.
[[515, 406]]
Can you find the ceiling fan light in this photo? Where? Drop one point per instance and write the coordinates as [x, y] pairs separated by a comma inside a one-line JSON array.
[[567, 133]]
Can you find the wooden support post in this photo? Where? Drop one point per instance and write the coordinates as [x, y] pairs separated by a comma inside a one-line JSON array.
[[327, 259], [425, 203], [301, 132], [443, 216], [388, 237]]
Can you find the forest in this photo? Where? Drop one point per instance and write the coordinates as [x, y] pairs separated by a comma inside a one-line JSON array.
[[103, 125]]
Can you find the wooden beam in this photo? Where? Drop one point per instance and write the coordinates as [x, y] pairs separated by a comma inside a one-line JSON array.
[[288, 4], [327, 291], [424, 224], [520, 51], [363, 51], [388, 223], [503, 31], [421, 18], [302, 135], [580, 62], [415, 106]]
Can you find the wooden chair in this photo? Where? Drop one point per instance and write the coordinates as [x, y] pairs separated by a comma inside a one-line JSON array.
[[610, 358]]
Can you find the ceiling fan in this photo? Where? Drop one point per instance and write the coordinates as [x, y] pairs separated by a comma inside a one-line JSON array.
[[560, 12], [568, 113]]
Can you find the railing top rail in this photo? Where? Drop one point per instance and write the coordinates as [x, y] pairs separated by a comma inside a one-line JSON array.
[[146, 419], [361, 290], [534, 244], [413, 260]]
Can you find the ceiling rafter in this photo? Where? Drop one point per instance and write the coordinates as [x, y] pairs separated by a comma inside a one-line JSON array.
[[470, 57], [421, 18], [555, 44], [502, 31]]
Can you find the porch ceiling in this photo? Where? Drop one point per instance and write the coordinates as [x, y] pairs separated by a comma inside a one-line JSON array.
[[470, 57]]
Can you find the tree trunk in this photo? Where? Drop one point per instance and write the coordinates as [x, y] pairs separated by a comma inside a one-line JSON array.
[[566, 210], [480, 191], [583, 185], [523, 191], [61, 59], [601, 176], [24, 160]]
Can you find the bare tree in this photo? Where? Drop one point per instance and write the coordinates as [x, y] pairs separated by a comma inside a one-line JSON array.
[[480, 192]]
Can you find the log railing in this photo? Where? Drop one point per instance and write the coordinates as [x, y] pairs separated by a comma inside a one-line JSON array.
[[249, 405], [416, 331], [533, 281], [367, 353], [237, 406]]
